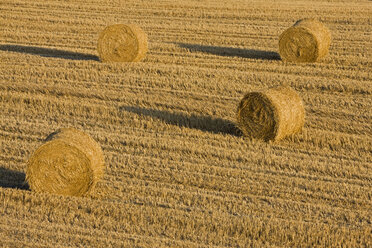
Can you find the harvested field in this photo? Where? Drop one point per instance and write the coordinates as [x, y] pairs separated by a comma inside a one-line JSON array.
[[178, 173]]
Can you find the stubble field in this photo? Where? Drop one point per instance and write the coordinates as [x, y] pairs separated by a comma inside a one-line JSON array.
[[178, 173]]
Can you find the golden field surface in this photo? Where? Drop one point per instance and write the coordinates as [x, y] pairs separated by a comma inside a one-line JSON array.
[[178, 173]]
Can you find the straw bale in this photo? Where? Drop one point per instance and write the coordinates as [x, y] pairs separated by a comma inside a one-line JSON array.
[[69, 163], [122, 43], [271, 114], [307, 40]]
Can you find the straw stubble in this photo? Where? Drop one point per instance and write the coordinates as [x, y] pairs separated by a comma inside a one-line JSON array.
[[69, 163]]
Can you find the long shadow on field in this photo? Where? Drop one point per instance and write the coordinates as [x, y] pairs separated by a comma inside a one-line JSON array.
[[12, 179], [204, 123], [48, 52], [232, 52]]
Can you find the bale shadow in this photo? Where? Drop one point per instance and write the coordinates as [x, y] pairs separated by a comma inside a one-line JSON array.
[[13, 179], [48, 52], [203, 123], [232, 52]]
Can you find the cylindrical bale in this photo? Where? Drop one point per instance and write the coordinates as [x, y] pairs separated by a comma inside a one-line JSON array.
[[307, 40], [122, 43], [70, 162], [271, 114]]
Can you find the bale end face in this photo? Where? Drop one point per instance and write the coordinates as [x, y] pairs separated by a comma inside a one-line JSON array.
[[257, 116], [122, 43]]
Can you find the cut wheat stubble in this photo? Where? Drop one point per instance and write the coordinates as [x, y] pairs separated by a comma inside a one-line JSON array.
[[307, 40], [271, 114], [122, 43], [69, 163]]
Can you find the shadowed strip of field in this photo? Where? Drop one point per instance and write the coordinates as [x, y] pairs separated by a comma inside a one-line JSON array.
[[48, 52], [232, 52], [12, 179], [203, 123]]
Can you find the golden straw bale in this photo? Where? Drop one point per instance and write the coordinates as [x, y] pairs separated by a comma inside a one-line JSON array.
[[271, 114], [69, 163], [307, 40], [122, 43]]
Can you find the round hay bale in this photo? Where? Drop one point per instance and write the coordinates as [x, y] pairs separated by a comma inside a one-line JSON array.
[[69, 163], [122, 43], [307, 40], [271, 114]]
